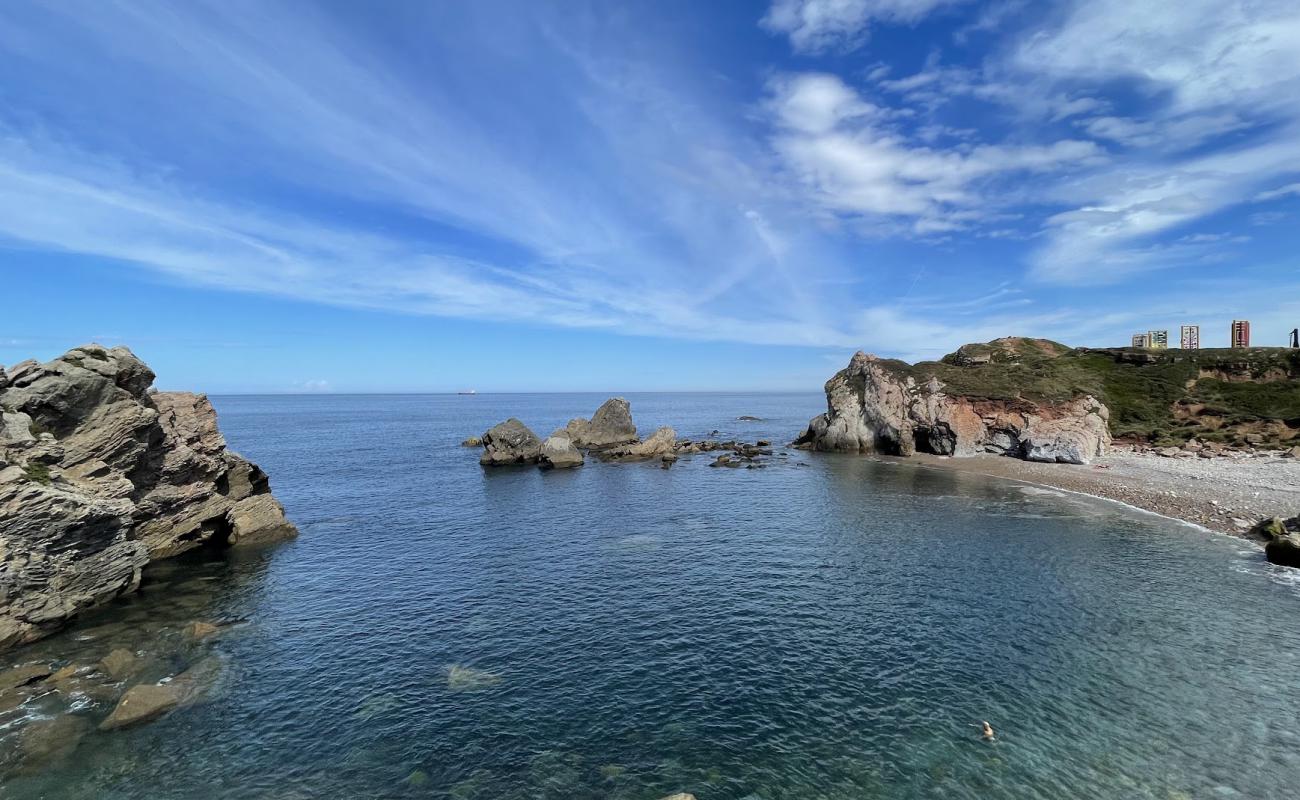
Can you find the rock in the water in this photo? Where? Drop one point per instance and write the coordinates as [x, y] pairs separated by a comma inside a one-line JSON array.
[[143, 703], [558, 452], [878, 406], [679, 796], [461, 678], [147, 702], [44, 743], [98, 477], [258, 520], [119, 664], [1284, 550], [658, 443], [472, 441], [23, 675], [201, 630], [748, 418], [610, 426], [510, 442]]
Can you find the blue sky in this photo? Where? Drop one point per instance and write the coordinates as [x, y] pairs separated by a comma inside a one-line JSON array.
[[264, 196]]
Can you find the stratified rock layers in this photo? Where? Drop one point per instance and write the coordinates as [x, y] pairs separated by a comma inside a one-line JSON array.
[[99, 476], [873, 408]]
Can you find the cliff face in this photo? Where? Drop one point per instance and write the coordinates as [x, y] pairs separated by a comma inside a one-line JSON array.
[[882, 406], [99, 476]]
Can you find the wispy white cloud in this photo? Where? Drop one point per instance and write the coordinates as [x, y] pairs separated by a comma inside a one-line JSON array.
[[819, 25], [842, 149]]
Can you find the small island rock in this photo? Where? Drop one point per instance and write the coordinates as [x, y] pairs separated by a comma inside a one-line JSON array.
[[510, 442], [558, 452]]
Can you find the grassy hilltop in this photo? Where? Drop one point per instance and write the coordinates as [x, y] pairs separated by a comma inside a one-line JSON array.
[[1162, 396]]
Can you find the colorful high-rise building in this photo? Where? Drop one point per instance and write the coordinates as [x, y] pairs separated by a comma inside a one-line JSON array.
[[1191, 338], [1240, 333], [1141, 340], [1158, 340]]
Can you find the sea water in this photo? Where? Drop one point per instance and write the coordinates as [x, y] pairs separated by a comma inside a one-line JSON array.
[[827, 626]]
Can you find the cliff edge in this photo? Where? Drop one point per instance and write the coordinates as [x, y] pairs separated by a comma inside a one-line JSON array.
[[1043, 401], [99, 475]]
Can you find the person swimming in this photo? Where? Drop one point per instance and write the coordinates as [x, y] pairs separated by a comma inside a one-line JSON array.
[[987, 735]]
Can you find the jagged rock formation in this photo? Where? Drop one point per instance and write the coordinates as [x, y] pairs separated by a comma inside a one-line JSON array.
[[610, 426], [881, 406], [510, 442], [99, 476]]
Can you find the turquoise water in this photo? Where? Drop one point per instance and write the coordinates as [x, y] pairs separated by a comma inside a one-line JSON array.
[[825, 627]]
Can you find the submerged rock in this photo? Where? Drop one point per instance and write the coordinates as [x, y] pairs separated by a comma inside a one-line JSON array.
[[558, 452], [472, 441], [120, 663], [143, 703], [23, 675], [103, 476], [147, 702], [510, 442], [461, 678], [43, 743]]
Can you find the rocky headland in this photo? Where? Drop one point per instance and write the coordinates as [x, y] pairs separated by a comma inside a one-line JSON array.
[[100, 475], [1039, 400]]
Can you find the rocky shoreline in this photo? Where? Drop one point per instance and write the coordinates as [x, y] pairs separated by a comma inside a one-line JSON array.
[[100, 475]]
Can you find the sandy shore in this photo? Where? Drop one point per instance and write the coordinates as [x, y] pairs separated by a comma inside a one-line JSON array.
[[1226, 494]]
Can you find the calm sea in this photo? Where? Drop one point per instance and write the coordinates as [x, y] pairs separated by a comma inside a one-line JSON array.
[[826, 627]]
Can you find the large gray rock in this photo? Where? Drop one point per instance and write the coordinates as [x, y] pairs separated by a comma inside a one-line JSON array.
[[99, 476], [610, 426], [1284, 550], [510, 442], [558, 452], [871, 407]]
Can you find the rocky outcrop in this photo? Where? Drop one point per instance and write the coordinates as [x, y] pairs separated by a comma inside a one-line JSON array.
[[510, 442], [610, 426], [878, 406], [558, 452], [661, 442], [99, 476]]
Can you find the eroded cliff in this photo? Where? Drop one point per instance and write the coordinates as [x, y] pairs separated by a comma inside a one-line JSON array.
[[874, 405], [99, 475]]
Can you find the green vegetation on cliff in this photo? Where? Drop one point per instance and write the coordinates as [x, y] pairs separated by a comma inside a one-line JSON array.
[[1162, 396]]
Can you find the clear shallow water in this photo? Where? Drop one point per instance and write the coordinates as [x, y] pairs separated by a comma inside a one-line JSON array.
[[826, 627]]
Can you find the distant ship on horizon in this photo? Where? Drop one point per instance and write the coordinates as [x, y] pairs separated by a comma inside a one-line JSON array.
[[467, 391]]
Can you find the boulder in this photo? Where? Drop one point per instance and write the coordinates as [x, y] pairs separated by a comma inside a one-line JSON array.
[[1284, 550], [610, 426], [659, 443], [119, 664], [258, 520], [1268, 529], [100, 477], [143, 703], [558, 452], [510, 442], [1294, 452], [472, 441]]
